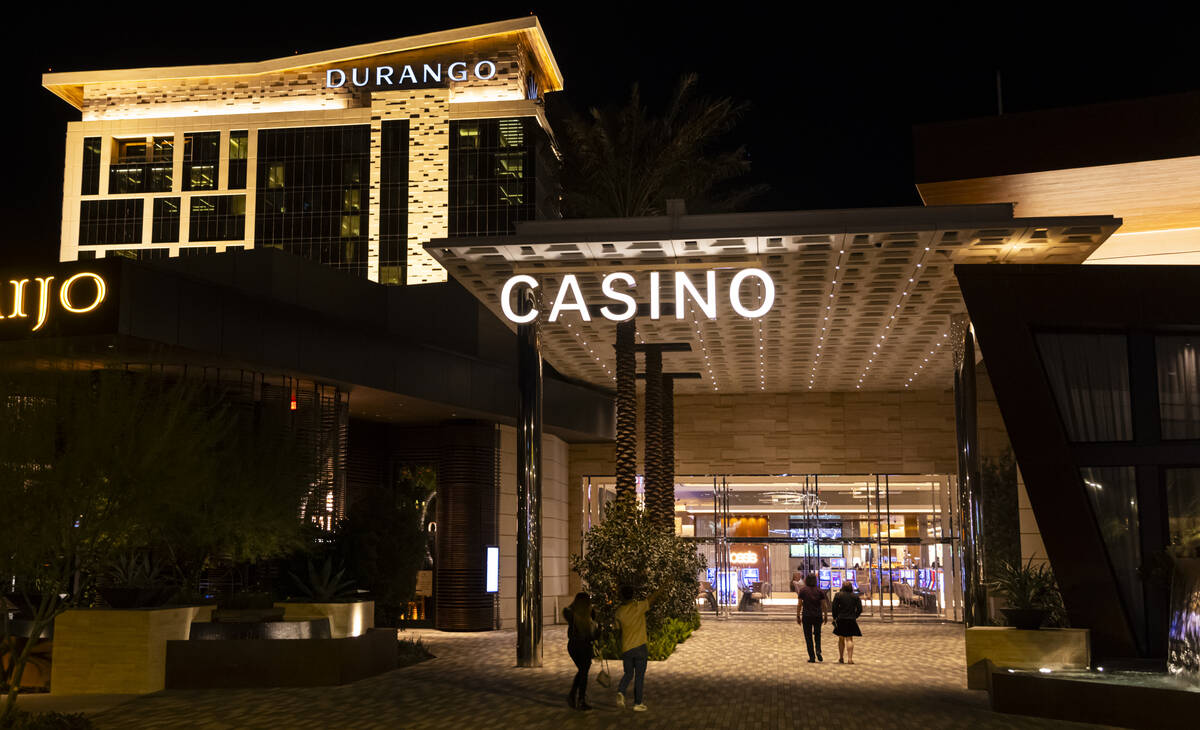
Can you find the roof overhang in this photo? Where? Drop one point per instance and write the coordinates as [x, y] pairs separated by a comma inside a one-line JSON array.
[[69, 85], [864, 298]]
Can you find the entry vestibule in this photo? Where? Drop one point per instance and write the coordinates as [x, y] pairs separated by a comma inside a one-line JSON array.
[[892, 536]]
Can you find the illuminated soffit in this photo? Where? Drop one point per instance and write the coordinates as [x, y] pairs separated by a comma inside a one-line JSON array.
[[864, 299]]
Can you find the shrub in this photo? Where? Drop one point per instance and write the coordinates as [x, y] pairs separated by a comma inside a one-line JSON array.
[[625, 549], [412, 651]]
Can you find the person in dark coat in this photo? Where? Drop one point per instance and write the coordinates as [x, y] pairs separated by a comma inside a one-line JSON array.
[[811, 609], [581, 631], [846, 609]]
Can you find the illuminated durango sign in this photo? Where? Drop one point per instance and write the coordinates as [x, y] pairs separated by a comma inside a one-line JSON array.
[[409, 75], [570, 298], [69, 300]]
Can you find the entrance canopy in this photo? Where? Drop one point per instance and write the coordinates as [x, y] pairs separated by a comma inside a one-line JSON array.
[[864, 299]]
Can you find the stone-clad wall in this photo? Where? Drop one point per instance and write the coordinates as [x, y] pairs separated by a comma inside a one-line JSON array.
[[795, 433], [556, 491]]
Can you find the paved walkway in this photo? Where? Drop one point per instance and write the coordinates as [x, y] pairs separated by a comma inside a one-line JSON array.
[[729, 674]]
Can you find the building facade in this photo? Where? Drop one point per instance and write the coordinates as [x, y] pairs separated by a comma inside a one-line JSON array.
[[352, 157]]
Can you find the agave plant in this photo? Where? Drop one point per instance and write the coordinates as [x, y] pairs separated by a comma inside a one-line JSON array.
[[324, 585]]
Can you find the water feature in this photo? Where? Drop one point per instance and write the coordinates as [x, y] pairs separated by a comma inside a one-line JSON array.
[[1183, 638]]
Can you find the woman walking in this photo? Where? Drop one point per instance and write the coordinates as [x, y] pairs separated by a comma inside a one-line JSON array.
[[581, 631], [846, 609]]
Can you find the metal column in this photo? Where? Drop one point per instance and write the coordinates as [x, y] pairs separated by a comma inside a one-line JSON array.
[[975, 609], [529, 489]]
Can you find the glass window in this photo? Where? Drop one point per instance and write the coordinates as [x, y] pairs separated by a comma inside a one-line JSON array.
[[1089, 376], [130, 150], [91, 166], [1179, 386], [492, 176], [239, 149], [1183, 507], [164, 226], [393, 202], [217, 218], [1113, 493], [106, 222], [164, 149], [313, 194], [201, 160]]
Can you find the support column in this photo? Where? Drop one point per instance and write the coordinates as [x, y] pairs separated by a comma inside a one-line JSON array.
[[975, 609], [626, 442], [529, 488], [654, 436]]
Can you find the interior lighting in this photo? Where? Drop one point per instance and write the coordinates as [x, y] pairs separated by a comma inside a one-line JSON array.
[[1044, 670]]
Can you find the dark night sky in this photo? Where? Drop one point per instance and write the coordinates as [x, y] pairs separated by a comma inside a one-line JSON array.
[[834, 94]]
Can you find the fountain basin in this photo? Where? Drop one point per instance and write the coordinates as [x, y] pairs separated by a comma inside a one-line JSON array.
[[1125, 699]]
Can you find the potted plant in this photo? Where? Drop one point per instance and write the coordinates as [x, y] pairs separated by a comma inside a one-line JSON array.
[[1030, 593]]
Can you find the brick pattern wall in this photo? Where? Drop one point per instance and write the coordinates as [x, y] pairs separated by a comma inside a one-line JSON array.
[[285, 91], [428, 182]]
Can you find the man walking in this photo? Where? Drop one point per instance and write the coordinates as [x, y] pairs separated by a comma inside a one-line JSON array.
[[631, 620], [811, 611]]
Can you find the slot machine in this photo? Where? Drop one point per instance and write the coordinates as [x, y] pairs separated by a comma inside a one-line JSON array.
[[823, 578]]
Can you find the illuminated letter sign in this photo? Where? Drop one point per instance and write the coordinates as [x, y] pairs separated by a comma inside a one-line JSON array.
[[506, 299], [400, 76], [746, 558], [570, 297], [70, 302]]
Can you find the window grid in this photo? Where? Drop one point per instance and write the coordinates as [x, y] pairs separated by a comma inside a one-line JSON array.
[[107, 222], [164, 223], [217, 218], [393, 201], [91, 167], [312, 188], [201, 160]]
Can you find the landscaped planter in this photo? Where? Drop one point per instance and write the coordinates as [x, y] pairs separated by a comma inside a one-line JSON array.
[[1007, 647], [346, 619], [110, 651]]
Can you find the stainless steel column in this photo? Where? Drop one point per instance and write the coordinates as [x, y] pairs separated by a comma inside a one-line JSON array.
[[529, 489], [975, 609]]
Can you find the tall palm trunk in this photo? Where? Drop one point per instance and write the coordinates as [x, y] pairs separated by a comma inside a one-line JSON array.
[[668, 454], [626, 446], [654, 432]]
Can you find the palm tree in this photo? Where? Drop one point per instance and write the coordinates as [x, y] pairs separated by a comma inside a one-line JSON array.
[[623, 161], [626, 442], [655, 489]]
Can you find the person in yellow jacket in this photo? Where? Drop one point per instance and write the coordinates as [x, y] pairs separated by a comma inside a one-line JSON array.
[[631, 620]]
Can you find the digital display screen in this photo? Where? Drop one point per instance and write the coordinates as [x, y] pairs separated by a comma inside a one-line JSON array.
[[492, 561], [817, 551]]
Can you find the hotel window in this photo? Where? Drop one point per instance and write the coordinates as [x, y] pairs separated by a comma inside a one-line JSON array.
[[160, 178], [1179, 386], [312, 193], [201, 160], [164, 221], [134, 169], [106, 222], [492, 181], [217, 218], [393, 201], [239, 150], [1089, 376], [91, 167]]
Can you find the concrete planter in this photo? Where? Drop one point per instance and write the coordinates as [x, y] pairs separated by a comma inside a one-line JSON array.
[[109, 651], [345, 619], [1007, 647]]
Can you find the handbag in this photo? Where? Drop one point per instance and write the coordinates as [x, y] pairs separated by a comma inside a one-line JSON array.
[[603, 678]]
